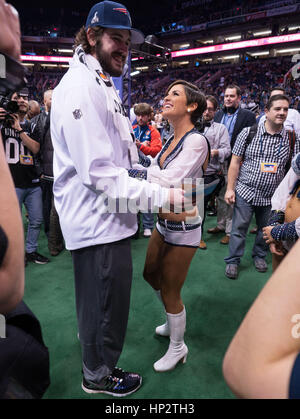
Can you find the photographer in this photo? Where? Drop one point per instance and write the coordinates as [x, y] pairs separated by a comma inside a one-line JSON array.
[[20, 149]]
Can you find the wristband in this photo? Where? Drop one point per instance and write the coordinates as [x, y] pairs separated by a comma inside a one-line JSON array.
[[277, 217], [138, 174], [20, 132], [286, 231]]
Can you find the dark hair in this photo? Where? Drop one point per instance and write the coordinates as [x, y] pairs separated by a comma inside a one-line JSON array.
[[213, 100], [143, 109], [282, 89], [193, 95], [234, 86], [274, 98], [81, 38]]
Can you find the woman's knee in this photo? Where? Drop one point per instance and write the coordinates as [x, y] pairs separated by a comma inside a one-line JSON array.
[[152, 277]]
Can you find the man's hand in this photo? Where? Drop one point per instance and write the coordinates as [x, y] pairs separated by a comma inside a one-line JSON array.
[[16, 124], [10, 39], [138, 143], [267, 234], [229, 197]]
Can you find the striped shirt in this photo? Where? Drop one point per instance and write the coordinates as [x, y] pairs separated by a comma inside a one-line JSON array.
[[255, 186]]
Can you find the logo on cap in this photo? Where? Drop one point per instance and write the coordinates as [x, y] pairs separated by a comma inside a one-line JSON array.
[[121, 9], [95, 18]]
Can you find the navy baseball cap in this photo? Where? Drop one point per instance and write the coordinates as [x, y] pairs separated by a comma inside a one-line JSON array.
[[109, 14], [24, 92]]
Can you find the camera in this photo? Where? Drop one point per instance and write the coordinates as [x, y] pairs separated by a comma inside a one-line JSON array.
[[11, 106]]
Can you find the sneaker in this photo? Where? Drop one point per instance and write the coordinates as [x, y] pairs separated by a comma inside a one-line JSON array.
[[231, 271], [118, 384], [147, 232], [260, 265], [36, 258]]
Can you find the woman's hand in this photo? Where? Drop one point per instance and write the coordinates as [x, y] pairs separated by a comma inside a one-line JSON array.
[[277, 248], [267, 234]]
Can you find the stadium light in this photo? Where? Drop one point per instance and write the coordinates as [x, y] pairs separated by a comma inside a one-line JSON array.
[[230, 57], [134, 73], [256, 54], [289, 50], [233, 38], [67, 51], [230, 46], [262, 33], [182, 46]]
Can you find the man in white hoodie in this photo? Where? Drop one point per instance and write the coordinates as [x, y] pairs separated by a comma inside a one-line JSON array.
[[96, 200]]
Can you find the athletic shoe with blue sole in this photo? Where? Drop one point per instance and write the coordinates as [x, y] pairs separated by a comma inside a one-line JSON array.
[[118, 384]]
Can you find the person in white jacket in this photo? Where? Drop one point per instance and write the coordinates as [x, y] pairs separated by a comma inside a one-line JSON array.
[[95, 198]]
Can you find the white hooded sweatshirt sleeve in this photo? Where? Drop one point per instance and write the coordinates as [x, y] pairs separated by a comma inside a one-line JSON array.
[[95, 198]]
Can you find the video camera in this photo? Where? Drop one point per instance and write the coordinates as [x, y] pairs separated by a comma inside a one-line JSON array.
[[12, 79], [11, 106]]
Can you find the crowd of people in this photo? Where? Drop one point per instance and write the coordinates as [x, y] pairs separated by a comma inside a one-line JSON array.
[[86, 172], [254, 80]]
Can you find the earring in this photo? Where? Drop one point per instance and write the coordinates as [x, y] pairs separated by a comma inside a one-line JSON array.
[[189, 110]]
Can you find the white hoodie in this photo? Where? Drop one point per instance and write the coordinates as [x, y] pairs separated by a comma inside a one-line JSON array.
[[92, 148]]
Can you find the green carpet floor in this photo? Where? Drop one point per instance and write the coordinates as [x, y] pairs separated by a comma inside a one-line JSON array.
[[215, 306]]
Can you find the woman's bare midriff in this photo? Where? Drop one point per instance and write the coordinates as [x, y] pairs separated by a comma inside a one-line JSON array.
[[183, 216]]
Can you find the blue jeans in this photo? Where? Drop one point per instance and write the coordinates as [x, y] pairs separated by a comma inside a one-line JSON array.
[[32, 199], [242, 215], [148, 220]]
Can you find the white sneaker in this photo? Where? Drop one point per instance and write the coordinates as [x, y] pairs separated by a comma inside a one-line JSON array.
[[147, 232]]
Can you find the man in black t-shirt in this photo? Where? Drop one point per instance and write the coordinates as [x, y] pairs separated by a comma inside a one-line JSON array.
[[20, 149]]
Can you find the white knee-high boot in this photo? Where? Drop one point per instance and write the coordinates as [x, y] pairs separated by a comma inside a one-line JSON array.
[[177, 350], [162, 330]]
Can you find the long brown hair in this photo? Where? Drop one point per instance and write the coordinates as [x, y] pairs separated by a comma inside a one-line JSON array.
[[81, 38]]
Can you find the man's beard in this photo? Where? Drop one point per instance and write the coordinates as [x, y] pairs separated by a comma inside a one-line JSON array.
[[105, 60], [22, 112]]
